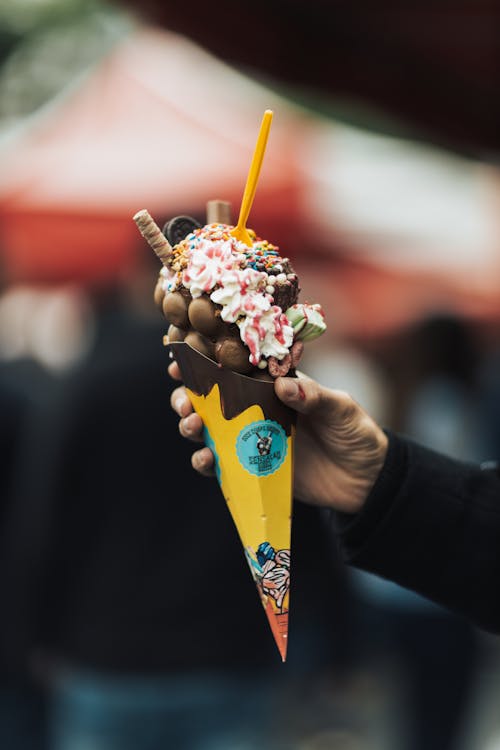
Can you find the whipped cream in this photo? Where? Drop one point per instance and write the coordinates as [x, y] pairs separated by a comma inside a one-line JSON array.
[[208, 262], [268, 334], [240, 291]]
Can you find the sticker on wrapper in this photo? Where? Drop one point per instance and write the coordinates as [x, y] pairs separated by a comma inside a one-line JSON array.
[[261, 447]]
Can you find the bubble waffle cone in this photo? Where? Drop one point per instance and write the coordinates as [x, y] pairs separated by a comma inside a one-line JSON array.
[[251, 434], [231, 300]]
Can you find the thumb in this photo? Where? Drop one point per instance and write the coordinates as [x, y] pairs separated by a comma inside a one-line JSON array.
[[307, 396], [301, 394]]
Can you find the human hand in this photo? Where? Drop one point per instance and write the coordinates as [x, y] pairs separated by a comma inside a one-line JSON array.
[[339, 452]]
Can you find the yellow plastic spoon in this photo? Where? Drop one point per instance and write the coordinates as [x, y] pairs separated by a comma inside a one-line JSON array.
[[240, 230]]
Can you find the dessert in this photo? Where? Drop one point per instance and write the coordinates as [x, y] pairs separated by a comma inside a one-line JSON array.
[[234, 303], [235, 322]]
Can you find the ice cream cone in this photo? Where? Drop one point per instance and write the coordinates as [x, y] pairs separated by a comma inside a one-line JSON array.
[[226, 293], [251, 434]]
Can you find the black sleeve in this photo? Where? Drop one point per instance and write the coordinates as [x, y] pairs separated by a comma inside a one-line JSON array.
[[431, 524]]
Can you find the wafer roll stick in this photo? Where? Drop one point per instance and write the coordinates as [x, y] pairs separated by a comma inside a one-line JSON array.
[[154, 236]]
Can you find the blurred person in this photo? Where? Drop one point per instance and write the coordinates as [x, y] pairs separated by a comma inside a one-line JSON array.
[[489, 400], [25, 384], [141, 618], [442, 391], [22, 702]]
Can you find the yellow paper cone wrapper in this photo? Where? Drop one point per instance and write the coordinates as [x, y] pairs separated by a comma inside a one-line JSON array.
[[251, 434]]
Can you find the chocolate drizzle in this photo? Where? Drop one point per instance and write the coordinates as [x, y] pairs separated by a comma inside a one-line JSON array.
[[237, 392]]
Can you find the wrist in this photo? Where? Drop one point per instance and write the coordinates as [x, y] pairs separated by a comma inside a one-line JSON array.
[[354, 526], [374, 459]]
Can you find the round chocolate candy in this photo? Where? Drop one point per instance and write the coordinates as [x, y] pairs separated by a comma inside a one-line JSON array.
[[202, 316], [234, 355], [175, 334], [200, 343], [179, 227], [159, 294], [175, 309]]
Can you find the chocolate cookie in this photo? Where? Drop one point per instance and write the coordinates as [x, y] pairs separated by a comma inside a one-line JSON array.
[[177, 229]]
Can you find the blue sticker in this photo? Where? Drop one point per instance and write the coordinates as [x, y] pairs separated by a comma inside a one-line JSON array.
[[261, 447]]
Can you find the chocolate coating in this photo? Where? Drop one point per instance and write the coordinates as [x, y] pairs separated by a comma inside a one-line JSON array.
[[202, 316], [175, 334], [200, 343], [263, 375], [237, 392], [175, 309], [233, 354], [159, 294]]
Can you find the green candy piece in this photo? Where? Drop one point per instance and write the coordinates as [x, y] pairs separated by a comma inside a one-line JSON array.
[[307, 321]]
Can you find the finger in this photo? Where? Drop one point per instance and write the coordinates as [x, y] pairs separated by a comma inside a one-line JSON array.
[[302, 393], [203, 462], [180, 402], [307, 396], [192, 428], [174, 371]]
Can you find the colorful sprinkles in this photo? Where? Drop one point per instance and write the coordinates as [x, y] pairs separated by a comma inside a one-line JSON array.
[[263, 256]]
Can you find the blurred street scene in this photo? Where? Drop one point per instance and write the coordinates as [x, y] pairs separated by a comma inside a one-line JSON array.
[[121, 629]]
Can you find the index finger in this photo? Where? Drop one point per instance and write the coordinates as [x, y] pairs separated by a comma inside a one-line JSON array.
[[174, 371], [180, 402]]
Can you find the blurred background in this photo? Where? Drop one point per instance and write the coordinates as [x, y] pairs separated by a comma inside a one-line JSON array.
[[121, 629]]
